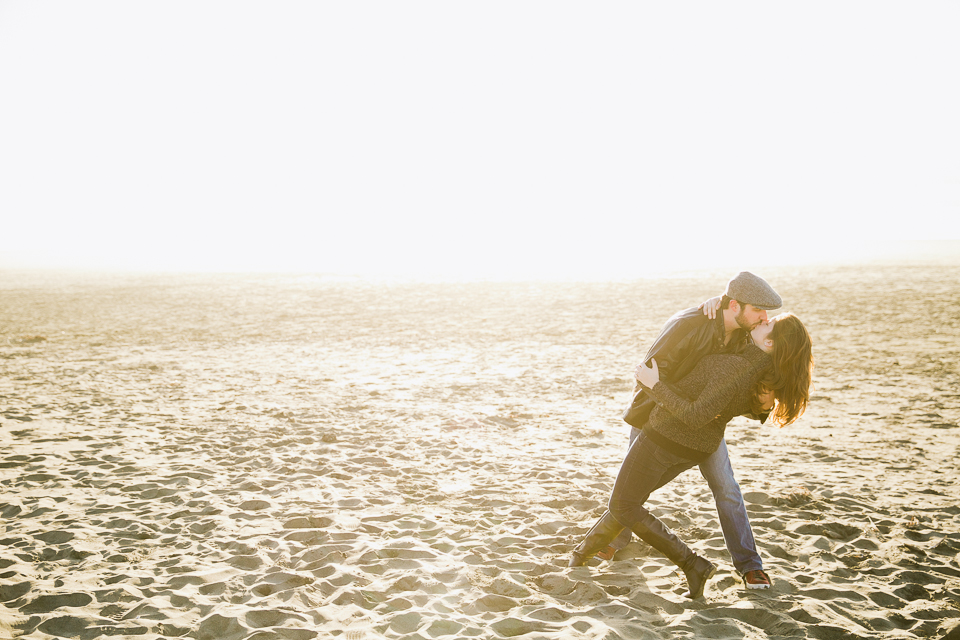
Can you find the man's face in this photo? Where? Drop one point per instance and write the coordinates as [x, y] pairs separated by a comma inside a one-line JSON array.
[[750, 317]]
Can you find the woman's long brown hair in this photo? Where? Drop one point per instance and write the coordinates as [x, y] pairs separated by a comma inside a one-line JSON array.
[[791, 374]]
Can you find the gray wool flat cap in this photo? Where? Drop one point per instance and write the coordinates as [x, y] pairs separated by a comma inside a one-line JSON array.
[[747, 288]]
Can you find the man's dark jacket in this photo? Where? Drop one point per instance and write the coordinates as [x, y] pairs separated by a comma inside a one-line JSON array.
[[685, 338]]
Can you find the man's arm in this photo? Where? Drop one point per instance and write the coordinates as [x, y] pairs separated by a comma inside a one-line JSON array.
[[683, 340], [678, 344], [766, 406], [760, 417]]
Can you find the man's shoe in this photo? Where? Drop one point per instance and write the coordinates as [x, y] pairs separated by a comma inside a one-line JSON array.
[[756, 579], [597, 539], [608, 553]]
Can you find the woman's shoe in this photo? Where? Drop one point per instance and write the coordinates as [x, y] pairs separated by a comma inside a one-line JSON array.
[[696, 569]]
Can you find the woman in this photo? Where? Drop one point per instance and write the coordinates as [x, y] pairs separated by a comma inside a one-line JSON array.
[[687, 425]]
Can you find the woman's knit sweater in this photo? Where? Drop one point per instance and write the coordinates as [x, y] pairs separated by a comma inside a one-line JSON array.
[[692, 414]]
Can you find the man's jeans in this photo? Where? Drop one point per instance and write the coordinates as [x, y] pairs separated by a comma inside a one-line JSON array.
[[731, 509]]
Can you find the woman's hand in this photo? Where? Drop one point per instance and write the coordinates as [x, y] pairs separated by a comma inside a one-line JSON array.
[[711, 306], [647, 376]]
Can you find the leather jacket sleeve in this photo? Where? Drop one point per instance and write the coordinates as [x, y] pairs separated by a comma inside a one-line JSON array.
[[684, 339], [687, 337], [673, 347]]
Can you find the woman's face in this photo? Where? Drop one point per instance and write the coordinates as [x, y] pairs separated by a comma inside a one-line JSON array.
[[761, 335]]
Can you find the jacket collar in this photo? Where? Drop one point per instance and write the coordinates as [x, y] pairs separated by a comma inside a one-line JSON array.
[[738, 340]]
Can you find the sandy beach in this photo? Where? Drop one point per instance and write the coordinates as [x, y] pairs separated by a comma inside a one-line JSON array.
[[260, 457]]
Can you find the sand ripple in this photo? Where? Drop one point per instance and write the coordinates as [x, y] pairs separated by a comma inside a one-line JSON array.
[[288, 458]]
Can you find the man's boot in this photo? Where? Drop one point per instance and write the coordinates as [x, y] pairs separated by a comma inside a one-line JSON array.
[[697, 569], [596, 539]]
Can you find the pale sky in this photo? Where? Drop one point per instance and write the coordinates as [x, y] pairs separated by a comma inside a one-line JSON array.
[[485, 138]]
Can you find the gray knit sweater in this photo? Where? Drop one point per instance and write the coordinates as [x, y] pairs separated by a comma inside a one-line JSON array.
[[692, 414]]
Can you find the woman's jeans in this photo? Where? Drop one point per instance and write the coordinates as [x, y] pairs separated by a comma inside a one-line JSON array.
[[731, 509]]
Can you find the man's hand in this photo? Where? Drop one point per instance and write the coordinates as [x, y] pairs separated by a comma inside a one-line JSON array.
[[647, 376], [766, 400], [711, 306]]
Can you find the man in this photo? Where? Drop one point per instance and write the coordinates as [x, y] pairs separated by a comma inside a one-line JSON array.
[[685, 338]]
